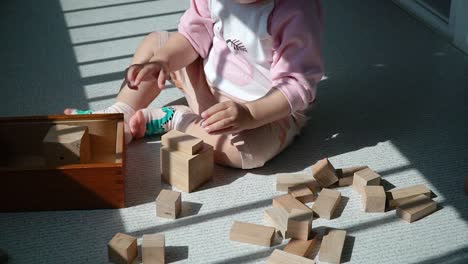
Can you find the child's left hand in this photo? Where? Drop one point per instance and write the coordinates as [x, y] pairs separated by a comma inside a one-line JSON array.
[[227, 118]]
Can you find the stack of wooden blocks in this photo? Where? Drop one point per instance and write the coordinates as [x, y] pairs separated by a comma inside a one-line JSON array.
[[186, 161], [122, 249]]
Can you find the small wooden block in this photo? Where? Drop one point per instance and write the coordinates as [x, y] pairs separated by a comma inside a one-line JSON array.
[[152, 248], [168, 204], [176, 140], [184, 171], [278, 218], [332, 246], [302, 193], [301, 248], [365, 177], [64, 144], [416, 208], [299, 224], [252, 234], [122, 249], [324, 173], [286, 180], [373, 199], [283, 257], [346, 175], [397, 197], [288, 202], [326, 203]]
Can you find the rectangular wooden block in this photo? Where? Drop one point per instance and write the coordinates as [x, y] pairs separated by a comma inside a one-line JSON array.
[[122, 249], [332, 246], [326, 203], [373, 199], [302, 193], [252, 234], [365, 177], [286, 180], [168, 204], [416, 208], [177, 140], [301, 248], [66, 144], [153, 249], [346, 175], [299, 224], [282, 257], [288, 202], [324, 173], [29, 184], [184, 171], [278, 218], [397, 197]]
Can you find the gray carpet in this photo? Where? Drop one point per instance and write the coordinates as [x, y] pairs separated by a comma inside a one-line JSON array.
[[394, 99]]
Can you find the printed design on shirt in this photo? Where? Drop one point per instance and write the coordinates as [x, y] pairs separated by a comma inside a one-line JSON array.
[[236, 45]]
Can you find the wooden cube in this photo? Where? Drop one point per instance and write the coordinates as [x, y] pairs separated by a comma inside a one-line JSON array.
[[302, 193], [326, 203], [332, 246], [299, 224], [301, 248], [168, 204], [122, 249], [282, 257], [286, 180], [373, 199], [416, 208], [184, 171], [365, 177], [152, 248], [176, 140], [64, 144], [278, 218], [288, 202], [397, 197], [324, 173], [346, 175], [252, 234]]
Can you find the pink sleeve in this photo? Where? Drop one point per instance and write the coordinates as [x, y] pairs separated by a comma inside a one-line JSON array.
[[196, 25], [297, 61]]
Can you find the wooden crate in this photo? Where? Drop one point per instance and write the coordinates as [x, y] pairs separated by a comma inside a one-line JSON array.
[[28, 184]]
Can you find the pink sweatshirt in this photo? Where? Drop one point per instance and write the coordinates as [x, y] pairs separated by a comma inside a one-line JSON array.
[[248, 49]]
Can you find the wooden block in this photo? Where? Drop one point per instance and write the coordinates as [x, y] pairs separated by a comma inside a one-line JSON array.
[[282, 257], [64, 144], [288, 202], [299, 224], [324, 173], [326, 203], [416, 208], [278, 218], [252, 234], [184, 171], [301, 248], [286, 180], [373, 199], [397, 197], [168, 204], [152, 248], [332, 246], [122, 249], [346, 175], [176, 140], [302, 193], [365, 177]]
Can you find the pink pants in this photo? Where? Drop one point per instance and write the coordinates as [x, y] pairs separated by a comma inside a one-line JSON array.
[[255, 146]]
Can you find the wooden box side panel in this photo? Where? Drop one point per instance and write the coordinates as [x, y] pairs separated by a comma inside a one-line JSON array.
[[81, 188]]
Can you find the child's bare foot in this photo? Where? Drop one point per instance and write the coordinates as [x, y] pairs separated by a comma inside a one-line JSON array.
[[154, 121]]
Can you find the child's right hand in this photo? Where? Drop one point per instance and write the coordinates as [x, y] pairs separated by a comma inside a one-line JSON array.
[[153, 70]]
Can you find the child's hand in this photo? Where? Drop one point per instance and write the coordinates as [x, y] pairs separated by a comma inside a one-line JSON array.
[[153, 70], [227, 118]]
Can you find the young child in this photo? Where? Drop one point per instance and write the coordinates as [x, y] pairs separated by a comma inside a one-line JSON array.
[[248, 69]]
